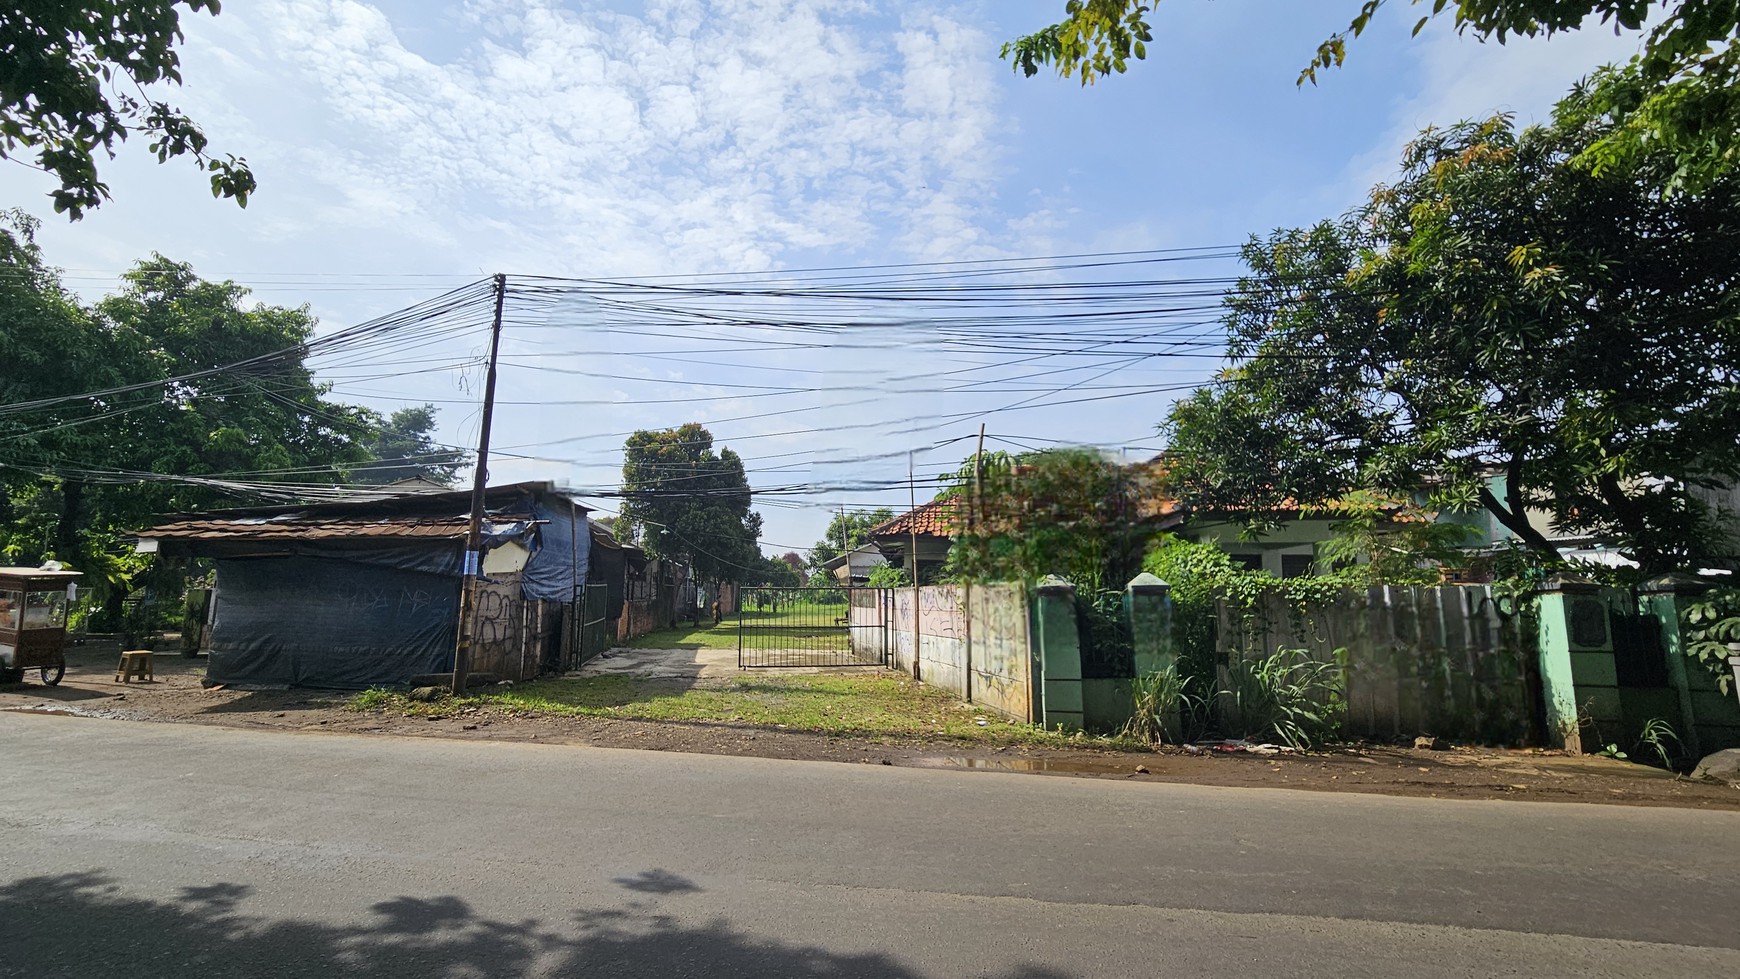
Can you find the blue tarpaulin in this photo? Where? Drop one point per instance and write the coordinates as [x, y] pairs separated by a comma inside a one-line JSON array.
[[558, 565]]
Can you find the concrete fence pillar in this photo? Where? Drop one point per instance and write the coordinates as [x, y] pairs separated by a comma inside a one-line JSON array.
[[1734, 664], [1059, 643], [1564, 605], [1663, 597], [1148, 606]]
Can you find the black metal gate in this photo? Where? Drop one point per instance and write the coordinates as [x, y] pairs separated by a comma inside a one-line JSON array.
[[787, 627]]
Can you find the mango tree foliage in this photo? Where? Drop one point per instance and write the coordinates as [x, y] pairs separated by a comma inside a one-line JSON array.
[[1502, 327], [684, 501], [77, 78], [1677, 97]]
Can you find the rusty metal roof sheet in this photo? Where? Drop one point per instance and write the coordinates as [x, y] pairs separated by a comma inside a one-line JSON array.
[[295, 526]]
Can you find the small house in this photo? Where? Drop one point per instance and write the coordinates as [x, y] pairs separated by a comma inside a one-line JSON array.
[[853, 567], [919, 538], [358, 594]]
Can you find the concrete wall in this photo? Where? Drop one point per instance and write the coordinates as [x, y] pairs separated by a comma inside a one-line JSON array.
[[970, 640], [1002, 657], [639, 617], [512, 632], [1593, 703], [1439, 661]]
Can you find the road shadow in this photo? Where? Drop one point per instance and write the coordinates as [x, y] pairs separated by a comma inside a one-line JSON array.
[[657, 882], [83, 924]]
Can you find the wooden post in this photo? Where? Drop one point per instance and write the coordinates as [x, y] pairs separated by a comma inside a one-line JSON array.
[[473, 561], [972, 526], [912, 517], [574, 595]]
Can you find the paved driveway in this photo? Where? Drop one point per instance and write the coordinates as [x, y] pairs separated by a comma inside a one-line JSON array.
[[665, 664]]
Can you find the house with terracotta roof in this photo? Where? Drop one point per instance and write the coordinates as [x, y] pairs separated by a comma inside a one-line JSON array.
[[1288, 550], [930, 529], [365, 593]]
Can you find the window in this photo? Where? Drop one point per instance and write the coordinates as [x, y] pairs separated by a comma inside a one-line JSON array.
[[10, 604], [1250, 562], [44, 609], [1296, 565]]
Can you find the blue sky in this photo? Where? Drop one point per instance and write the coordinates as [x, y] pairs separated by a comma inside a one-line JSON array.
[[404, 147]]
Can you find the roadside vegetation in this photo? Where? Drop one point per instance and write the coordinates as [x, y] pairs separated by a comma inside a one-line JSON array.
[[873, 705]]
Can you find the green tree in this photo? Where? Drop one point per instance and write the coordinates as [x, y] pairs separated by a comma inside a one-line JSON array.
[[689, 503], [847, 531], [404, 447], [1501, 326], [1679, 96], [267, 422], [1070, 512], [777, 573], [74, 83], [76, 472]]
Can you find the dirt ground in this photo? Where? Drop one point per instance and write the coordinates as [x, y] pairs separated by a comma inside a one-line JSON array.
[[1461, 772]]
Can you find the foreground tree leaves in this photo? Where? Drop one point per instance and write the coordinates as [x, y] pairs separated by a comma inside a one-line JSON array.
[[75, 80], [1678, 97]]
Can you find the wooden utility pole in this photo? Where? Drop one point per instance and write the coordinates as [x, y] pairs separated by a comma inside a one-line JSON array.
[[973, 529], [473, 566], [978, 479], [912, 520]]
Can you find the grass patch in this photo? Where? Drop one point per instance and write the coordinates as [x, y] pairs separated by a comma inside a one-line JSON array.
[[683, 637], [375, 699], [809, 626], [870, 705]]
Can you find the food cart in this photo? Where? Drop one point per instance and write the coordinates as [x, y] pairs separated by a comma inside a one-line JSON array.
[[33, 605]]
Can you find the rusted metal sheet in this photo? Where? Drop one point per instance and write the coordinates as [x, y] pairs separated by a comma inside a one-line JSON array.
[[290, 528]]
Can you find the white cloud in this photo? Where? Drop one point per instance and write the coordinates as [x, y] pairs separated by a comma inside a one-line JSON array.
[[1460, 78], [700, 136]]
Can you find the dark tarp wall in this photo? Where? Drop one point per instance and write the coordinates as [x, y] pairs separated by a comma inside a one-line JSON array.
[[555, 570], [329, 622]]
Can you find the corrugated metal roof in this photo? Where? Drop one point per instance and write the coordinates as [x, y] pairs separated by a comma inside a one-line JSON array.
[[416, 516], [301, 527]]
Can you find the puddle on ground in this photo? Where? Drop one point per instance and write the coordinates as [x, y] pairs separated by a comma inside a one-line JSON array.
[[1025, 765]]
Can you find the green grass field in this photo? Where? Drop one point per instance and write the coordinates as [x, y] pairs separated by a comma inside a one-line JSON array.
[[803, 626], [872, 704]]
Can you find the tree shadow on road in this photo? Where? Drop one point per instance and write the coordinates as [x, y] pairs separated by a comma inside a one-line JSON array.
[[83, 924]]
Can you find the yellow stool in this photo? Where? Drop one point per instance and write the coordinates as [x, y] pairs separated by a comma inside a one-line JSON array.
[[135, 665]]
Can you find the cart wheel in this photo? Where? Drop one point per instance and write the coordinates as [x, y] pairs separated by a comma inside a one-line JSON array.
[[51, 675], [11, 676]]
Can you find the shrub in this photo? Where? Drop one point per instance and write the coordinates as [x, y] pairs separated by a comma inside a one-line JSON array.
[[1287, 696], [889, 576], [1712, 622], [1166, 711]]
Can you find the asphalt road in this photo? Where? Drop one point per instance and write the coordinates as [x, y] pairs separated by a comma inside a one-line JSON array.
[[168, 850]]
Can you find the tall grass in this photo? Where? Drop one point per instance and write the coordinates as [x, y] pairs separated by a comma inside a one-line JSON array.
[[1166, 710], [1286, 696]]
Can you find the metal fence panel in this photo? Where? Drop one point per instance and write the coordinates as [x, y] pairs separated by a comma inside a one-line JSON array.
[[811, 627]]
